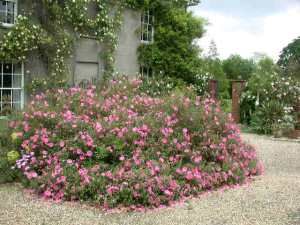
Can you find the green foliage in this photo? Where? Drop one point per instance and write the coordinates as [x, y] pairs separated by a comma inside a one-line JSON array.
[[268, 100], [173, 52], [236, 68], [263, 75], [23, 38], [213, 67], [8, 155], [289, 59], [46, 34], [13, 156], [160, 85], [266, 115], [121, 147]]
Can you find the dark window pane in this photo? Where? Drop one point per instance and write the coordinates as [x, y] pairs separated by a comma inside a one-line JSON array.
[[6, 96], [17, 68], [7, 81], [17, 81], [150, 72], [16, 97], [10, 7], [2, 17], [10, 18], [17, 105], [146, 18], [145, 37], [2, 5], [7, 68]]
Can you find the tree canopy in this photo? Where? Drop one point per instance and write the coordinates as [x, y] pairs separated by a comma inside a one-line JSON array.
[[173, 52], [236, 67], [289, 59]]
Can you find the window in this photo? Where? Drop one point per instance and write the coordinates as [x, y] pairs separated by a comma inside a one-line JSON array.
[[11, 87], [146, 71], [147, 34], [8, 12]]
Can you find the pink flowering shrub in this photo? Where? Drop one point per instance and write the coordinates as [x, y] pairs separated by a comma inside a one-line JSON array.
[[119, 147]]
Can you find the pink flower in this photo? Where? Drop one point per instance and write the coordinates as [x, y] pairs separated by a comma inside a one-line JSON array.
[[86, 179], [47, 194], [112, 189], [89, 154], [98, 127], [168, 193], [61, 144], [31, 175], [68, 116], [164, 141], [189, 175], [198, 159], [166, 131]]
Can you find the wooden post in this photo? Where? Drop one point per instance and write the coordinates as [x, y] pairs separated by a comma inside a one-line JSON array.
[[213, 89], [237, 88]]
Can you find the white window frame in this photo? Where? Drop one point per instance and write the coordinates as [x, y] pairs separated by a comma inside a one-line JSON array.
[[8, 25], [145, 27], [12, 101]]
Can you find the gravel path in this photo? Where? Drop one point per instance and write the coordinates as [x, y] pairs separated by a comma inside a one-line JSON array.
[[272, 199]]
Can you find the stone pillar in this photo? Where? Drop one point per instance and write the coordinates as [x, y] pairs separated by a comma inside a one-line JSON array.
[[237, 88], [296, 133], [213, 89]]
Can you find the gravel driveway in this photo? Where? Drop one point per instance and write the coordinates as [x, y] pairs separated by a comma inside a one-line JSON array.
[[272, 199]]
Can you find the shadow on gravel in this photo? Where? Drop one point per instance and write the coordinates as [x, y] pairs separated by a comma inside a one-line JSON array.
[[295, 217]]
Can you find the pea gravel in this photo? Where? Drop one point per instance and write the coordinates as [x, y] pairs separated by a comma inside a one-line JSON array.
[[272, 199]]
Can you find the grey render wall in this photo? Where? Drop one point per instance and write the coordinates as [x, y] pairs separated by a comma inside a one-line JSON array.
[[129, 41], [86, 62]]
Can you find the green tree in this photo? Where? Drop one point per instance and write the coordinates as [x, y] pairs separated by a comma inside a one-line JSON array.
[[173, 52], [213, 50], [263, 75], [213, 67], [289, 59], [236, 67]]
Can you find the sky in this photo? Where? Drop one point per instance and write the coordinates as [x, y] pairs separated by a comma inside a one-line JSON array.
[[246, 27]]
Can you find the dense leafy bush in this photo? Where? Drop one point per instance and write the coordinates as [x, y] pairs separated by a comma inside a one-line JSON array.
[[174, 52], [158, 85], [119, 147], [8, 155], [289, 59], [268, 115], [269, 99]]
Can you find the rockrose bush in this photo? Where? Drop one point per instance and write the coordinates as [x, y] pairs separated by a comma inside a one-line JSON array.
[[119, 147]]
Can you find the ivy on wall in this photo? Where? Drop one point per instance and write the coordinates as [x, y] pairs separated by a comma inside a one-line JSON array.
[[50, 28]]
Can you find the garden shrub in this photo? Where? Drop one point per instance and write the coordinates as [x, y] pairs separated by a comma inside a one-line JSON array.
[[267, 115], [268, 104], [8, 155], [159, 85], [119, 147]]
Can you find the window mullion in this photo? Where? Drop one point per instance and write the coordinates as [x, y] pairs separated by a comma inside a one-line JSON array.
[[1, 97], [22, 87], [6, 9], [12, 85]]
